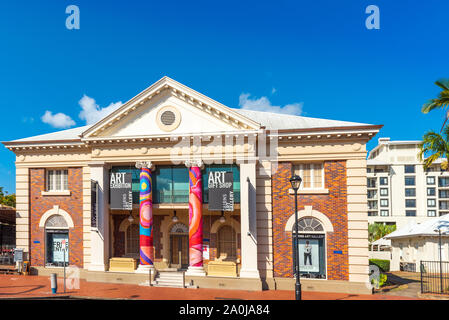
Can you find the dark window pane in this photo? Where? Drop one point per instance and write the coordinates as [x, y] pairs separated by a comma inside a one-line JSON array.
[[409, 169], [410, 213], [410, 203], [181, 184], [443, 193], [409, 181], [163, 185], [410, 192], [443, 181]]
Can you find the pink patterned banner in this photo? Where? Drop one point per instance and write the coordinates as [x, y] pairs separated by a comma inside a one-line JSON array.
[[195, 218]]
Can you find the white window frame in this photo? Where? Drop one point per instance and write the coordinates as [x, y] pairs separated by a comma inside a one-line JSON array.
[[434, 203], [384, 206], [384, 215], [312, 174], [434, 211], [47, 180]]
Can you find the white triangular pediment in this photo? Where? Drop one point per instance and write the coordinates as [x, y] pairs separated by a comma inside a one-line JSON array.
[[169, 108]]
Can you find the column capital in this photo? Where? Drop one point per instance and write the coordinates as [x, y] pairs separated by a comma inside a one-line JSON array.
[[144, 164], [194, 163]]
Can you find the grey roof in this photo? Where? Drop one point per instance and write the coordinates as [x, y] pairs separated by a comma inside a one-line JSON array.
[[69, 134], [280, 121], [267, 119], [427, 228]]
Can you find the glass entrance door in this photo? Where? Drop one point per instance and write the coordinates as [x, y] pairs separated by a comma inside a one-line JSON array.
[[179, 251]]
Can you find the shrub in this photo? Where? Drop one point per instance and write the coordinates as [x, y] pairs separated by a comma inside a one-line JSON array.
[[383, 279], [377, 283], [384, 265]]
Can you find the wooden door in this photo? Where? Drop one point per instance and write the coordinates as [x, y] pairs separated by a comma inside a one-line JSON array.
[[179, 251]]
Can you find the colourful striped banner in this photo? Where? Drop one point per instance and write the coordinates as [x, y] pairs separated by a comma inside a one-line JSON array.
[[146, 218], [195, 218]]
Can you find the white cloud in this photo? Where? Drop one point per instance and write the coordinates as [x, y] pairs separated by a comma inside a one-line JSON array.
[[264, 104], [58, 120], [27, 120], [92, 112]]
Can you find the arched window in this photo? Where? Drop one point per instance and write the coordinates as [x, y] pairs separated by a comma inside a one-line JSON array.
[[227, 243], [132, 239], [309, 224], [179, 228], [56, 221]]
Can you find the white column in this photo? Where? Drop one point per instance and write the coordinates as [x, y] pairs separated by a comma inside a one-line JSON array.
[[248, 221], [100, 236]]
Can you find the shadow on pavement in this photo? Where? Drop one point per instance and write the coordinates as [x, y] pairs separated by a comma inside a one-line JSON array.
[[33, 288]]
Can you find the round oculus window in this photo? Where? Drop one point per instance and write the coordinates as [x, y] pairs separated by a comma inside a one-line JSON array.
[[168, 118]]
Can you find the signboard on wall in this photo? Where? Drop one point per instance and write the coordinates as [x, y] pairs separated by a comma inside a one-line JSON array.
[[311, 253], [60, 247], [94, 204], [18, 255], [120, 186], [221, 191], [206, 250]]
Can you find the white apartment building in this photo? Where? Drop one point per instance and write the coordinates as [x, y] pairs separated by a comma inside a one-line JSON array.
[[399, 190]]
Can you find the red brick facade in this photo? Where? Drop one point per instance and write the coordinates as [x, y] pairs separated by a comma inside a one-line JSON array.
[[333, 205], [40, 204]]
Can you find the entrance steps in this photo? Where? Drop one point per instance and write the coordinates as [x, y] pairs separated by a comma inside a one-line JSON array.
[[170, 278]]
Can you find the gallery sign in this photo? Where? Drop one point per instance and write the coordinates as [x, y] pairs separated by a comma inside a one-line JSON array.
[[120, 187], [221, 191]]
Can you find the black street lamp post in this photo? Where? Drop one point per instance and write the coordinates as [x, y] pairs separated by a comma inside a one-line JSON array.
[[439, 255], [296, 182], [441, 263]]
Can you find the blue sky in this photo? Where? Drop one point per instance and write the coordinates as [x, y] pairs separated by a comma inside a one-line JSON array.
[[314, 57]]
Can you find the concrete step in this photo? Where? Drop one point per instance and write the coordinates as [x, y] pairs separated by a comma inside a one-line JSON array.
[[167, 285], [174, 281], [170, 276]]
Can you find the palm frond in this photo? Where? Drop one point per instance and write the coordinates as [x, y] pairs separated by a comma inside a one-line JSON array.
[[443, 84], [434, 144], [442, 101]]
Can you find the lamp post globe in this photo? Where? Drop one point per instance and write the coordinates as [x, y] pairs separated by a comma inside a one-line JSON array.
[[295, 181]]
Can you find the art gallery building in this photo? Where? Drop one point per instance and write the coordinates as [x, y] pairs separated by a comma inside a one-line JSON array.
[[163, 145]]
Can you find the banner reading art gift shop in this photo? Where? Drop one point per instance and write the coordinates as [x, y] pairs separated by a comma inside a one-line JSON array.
[[221, 191]]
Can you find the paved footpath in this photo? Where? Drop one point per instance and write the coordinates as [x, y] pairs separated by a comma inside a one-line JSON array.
[[19, 286]]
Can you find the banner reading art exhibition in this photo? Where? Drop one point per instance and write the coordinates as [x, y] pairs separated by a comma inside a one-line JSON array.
[[120, 187], [221, 191]]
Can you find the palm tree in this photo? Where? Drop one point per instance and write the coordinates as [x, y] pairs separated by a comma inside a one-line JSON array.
[[443, 98], [379, 230], [437, 146]]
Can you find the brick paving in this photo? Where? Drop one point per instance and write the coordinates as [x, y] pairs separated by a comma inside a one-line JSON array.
[[19, 286]]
